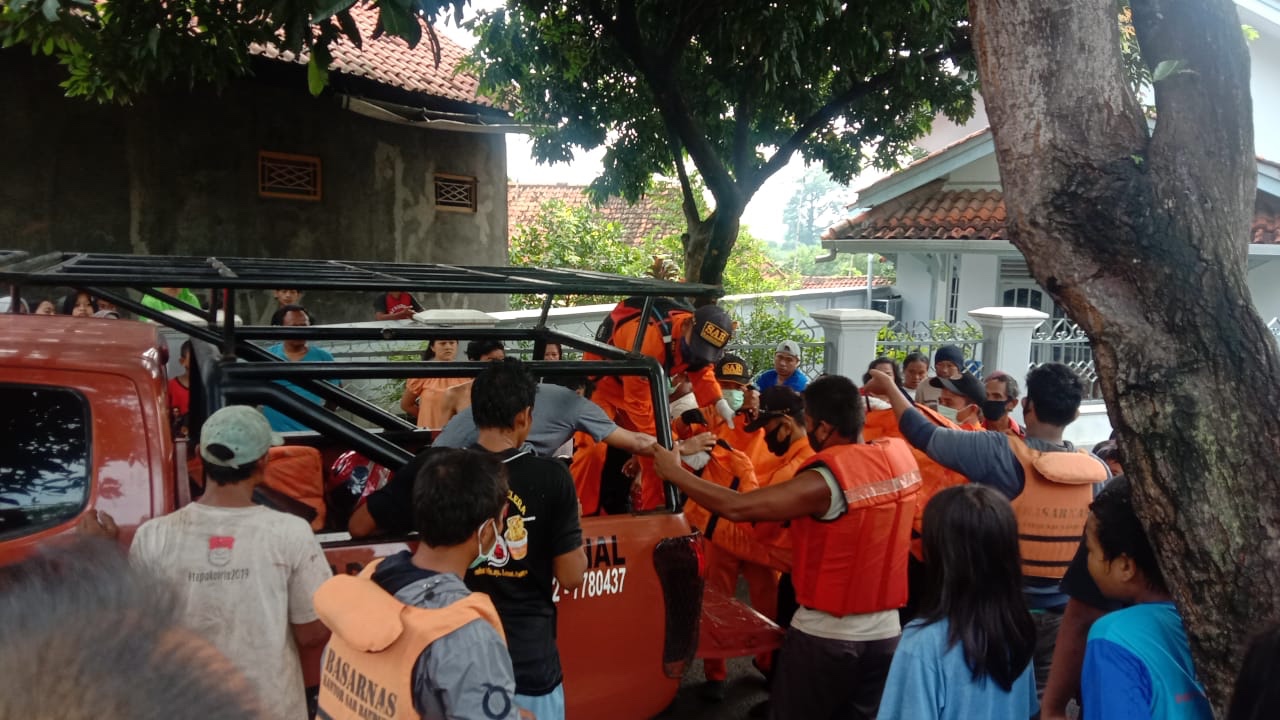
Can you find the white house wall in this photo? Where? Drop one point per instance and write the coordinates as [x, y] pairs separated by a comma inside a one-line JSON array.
[[1264, 84], [915, 285], [979, 283], [1264, 285], [982, 174]]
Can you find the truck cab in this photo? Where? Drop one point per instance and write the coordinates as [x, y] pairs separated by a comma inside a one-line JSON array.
[[87, 401]]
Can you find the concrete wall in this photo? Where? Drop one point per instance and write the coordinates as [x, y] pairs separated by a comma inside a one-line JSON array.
[[1264, 86], [177, 173], [1264, 286]]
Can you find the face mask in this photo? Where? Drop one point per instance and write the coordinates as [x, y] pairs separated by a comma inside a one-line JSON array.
[[994, 409], [484, 556], [776, 443], [735, 398], [815, 443], [948, 413]]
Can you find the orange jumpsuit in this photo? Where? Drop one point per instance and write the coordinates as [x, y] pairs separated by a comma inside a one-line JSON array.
[[628, 401], [733, 549]]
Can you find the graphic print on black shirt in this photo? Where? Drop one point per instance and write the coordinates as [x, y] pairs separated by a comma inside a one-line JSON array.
[[542, 523]]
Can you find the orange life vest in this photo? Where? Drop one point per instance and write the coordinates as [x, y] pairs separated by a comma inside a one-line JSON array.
[[1053, 506], [731, 469], [776, 536], [367, 669], [857, 563], [586, 467], [934, 477]]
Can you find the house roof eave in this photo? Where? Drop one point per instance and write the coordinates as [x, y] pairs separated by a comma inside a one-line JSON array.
[[924, 245], [939, 165]]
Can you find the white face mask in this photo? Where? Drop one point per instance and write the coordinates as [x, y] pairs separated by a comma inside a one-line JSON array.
[[485, 556], [735, 398], [948, 413]]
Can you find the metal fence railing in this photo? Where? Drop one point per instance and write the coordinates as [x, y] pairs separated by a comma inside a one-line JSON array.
[[1061, 340], [900, 339]]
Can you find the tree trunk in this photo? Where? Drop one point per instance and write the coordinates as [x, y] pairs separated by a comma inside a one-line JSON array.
[[1142, 237], [708, 244]]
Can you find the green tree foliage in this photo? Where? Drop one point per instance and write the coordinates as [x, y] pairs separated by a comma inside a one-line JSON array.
[[114, 50], [581, 237], [817, 202], [736, 88]]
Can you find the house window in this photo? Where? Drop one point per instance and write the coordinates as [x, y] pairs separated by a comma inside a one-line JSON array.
[[455, 193], [1023, 298], [294, 177], [953, 290]]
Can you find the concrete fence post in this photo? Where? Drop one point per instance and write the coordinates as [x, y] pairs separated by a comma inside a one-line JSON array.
[[1006, 341], [851, 336]]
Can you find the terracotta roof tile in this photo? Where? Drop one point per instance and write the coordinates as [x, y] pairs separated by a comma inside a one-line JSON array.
[[389, 61], [932, 213], [824, 282], [643, 220]]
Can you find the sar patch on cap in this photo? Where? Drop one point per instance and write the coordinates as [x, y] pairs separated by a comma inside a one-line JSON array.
[[733, 368], [714, 334]]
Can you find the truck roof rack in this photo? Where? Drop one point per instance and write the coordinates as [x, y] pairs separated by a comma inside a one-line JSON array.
[[118, 270], [108, 275]]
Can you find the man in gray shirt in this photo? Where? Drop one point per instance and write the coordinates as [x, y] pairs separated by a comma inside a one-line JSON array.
[[558, 413]]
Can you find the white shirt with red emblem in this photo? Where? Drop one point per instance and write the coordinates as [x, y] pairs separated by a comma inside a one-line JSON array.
[[244, 575]]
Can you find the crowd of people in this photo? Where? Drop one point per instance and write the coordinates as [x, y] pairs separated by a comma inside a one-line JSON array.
[[928, 555]]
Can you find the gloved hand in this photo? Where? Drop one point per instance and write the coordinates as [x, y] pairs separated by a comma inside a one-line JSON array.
[[724, 411], [693, 417]]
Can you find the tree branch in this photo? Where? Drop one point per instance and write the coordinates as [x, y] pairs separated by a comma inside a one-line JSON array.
[[742, 169], [837, 105]]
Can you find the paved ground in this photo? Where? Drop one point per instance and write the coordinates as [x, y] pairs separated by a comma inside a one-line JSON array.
[[743, 690]]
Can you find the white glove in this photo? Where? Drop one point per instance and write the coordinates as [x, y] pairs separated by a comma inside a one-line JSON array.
[[697, 461], [726, 412]]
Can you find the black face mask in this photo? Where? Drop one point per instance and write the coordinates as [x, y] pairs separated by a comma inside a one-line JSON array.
[[776, 443], [994, 409]]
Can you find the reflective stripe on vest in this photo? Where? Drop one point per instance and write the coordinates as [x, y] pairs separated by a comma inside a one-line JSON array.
[[934, 477], [367, 667], [1052, 511], [857, 563]]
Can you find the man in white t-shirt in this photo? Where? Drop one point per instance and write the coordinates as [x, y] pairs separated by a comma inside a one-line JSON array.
[[246, 573]]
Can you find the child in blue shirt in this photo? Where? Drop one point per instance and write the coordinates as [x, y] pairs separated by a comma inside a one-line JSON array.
[[968, 655], [1137, 662]]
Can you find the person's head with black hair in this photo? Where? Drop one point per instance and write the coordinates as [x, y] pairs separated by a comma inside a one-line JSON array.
[[111, 642], [502, 397], [833, 411], [233, 445], [1257, 694], [915, 369], [580, 384], [887, 365], [456, 492], [971, 560], [1121, 559], [1054, 393], [485, 350], [79, 303], [553, 351], [441, 350]]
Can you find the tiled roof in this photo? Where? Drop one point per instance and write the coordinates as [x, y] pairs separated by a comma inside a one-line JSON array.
[[824, 282], [931, 213], [928, 213], [640, 221], [389, 61]]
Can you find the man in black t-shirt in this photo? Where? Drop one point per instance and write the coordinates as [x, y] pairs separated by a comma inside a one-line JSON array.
[[541, 541]]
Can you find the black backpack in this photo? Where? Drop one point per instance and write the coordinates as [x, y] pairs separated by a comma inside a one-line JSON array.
[[630, 309]]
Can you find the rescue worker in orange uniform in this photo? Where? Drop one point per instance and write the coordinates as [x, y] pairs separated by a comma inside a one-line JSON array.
[[1049, 482], [734, 549], [882, 423], [406, 632], [682, 341], [850, 511], [734, 376]]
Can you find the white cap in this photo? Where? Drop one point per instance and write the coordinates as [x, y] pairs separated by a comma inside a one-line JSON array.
[[241, 434], [788, 347]]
